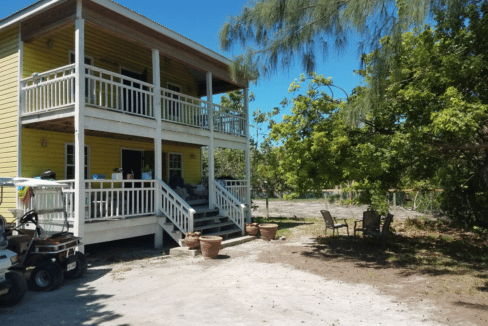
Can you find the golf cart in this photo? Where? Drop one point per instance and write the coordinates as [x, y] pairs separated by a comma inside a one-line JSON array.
[[12, 285], [41, 238]]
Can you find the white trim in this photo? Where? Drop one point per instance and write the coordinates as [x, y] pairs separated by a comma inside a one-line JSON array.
[[26, 13], [88, 154], [20, 102]]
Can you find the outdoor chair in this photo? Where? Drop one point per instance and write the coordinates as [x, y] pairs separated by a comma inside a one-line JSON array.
[[385, 231], [331, 223], [371, 222]]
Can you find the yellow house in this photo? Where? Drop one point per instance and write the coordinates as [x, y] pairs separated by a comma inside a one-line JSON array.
[[89, 87]]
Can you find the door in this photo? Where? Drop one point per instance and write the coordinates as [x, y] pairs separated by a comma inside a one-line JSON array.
[[133, 101], [132, 162]]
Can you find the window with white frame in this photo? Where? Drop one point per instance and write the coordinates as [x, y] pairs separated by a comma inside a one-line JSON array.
[[175, 165], [173, 105], [69, 161]]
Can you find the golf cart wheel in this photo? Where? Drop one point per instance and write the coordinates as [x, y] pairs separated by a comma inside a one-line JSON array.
[[80, 269], [17, 291], [47, 276]]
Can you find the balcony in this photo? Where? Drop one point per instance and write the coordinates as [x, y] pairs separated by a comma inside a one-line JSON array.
[[54, 90]]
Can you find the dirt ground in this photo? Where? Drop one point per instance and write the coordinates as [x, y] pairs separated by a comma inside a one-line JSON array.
[[452, 303], [282, 282]]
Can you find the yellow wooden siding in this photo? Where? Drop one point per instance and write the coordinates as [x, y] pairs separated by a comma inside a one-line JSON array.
[[109, 52], [105, 154], [9, 47]]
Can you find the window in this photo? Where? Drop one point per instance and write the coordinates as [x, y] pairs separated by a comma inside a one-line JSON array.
[[89, 84], [175, 165], [173, 106], [69, 161]]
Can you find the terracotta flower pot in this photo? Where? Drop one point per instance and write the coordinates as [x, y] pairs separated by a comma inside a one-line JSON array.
[[252, 228], [210, 246], [268, 231], [192, 240]]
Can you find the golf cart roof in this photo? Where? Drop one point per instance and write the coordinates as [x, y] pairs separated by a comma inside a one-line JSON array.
[[29, 182]]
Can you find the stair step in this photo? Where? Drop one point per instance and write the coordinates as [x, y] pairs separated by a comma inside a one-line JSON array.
[[212, 226], [204, 209], [226, 232], [211, 218]]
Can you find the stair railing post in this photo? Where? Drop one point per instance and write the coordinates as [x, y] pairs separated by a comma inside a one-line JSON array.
[[190, 220]]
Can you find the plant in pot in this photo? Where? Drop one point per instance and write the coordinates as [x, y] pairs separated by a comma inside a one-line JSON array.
[[117, 174], [210, 246], [268, 231], [252, 228], [192, 240], [146, 172]]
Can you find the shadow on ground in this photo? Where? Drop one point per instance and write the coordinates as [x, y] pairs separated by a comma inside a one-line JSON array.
[[413, 254]]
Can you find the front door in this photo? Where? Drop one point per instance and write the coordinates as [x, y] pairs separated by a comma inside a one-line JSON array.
[[132, 162]]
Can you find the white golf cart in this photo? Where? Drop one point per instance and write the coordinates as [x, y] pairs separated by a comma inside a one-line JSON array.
[[12, 285], [46, 249]]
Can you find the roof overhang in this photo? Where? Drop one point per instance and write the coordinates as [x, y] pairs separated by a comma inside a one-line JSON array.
[[98, 12]]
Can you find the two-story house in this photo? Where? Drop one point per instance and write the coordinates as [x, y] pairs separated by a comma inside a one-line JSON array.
[[88, 87]]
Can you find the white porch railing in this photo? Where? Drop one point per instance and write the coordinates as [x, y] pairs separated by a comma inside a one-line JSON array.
[[113, 199], [234, 209], [46, 199], [184, 109], [229, 121], [175, 208], [53, 89], [238, 188], [108, 90]]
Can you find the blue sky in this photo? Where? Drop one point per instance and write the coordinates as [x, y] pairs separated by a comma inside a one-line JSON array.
[[201, 22]]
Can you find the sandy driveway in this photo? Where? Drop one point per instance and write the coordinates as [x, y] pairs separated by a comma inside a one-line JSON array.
[[235, 289]]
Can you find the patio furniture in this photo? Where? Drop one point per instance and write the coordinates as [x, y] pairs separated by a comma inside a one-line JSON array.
[[371, 221], [385, 231], [331, 223]]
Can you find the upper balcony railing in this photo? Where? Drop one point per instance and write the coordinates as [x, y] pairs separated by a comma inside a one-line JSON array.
[[55, 89]]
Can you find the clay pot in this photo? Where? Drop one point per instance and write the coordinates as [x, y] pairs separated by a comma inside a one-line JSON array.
[[268, 231], [210, 246], [192, 239], [252, 228]]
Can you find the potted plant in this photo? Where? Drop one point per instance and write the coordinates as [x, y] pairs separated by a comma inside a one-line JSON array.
[[252, 228], [192, 240], [146, 172], [268, 231], [117, 174], [210, 246]]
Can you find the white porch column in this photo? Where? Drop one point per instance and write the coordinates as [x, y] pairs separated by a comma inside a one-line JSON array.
[[79, 224], [211, 162], [247, 154], [21, 103], [158, 234]]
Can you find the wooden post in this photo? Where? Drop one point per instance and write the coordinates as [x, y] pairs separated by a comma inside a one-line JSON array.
[[211, 162], [247, 154], [79, 224], [158, 235]]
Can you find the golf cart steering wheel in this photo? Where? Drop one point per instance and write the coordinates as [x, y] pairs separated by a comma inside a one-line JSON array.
[[30, 216]]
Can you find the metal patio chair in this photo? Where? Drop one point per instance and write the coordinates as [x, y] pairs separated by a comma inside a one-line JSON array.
[[331, 223]]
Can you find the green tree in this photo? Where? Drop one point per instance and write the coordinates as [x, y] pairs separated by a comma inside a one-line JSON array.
[[432, 114], [276, 33]]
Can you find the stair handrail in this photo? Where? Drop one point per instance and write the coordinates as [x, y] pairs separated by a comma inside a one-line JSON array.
[[175, 208], [227, 202]]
